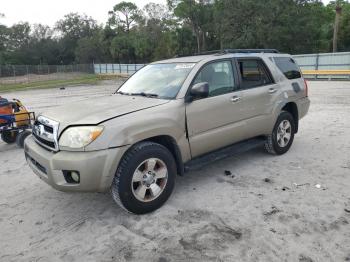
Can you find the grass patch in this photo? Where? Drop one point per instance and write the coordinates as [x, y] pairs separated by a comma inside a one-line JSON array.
[[82, 80]]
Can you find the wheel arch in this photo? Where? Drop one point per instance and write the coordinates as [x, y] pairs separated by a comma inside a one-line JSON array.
[[170, 143], [292, 108]]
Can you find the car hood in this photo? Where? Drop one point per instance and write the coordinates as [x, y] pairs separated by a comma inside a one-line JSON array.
[[97, 110]]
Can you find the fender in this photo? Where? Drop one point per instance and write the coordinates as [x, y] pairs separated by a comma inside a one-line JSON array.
[[289, 106]]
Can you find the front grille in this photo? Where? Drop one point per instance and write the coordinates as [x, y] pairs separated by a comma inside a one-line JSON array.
[[48, 129], [45, 142], [45, 133]]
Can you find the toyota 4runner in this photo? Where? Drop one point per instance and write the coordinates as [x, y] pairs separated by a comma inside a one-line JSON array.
[[167, 118]]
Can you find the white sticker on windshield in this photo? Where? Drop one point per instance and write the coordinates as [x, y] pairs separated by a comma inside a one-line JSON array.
[[184, 66]]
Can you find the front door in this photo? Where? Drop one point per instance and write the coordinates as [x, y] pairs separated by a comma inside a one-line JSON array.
[[215, 121]]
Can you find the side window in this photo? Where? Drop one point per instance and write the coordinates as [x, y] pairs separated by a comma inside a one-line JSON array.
[[253, 73], [219, 76], [288, 67]]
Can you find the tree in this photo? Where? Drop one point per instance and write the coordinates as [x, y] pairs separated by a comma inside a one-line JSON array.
[[91, 49], [43, 47], [126, 15], [343, 35], [121, 48], [3, 39], [288, 25], [123, 19], [196, 14], [181, 28], [157, 12], [41, 32], [72, 28], [18, 36], [143, 45], [76, 26], [218, 22]]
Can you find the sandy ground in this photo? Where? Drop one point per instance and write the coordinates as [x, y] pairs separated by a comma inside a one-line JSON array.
[[258, 214]]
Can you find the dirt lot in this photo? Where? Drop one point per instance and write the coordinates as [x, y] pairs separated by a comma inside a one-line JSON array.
[[40, 77], [258, 214]]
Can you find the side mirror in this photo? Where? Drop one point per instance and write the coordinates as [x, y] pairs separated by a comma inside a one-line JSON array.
[[200, 90]]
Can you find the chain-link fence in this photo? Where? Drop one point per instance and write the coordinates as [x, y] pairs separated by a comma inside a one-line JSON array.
[[19, 74]]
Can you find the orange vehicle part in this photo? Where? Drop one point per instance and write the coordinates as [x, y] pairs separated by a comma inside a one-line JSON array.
[[16, 108], [21, 114], [5, 110]]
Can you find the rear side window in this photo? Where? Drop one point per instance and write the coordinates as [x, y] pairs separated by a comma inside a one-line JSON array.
[[254, 73], [288, 67]]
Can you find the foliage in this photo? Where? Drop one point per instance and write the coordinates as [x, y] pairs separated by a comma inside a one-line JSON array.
[[125, 15], [183, 27]]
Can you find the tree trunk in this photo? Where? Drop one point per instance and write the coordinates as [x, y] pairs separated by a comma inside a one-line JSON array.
[[203, 41], [127, 24], [198, 37], [338, 10], [220, 39]]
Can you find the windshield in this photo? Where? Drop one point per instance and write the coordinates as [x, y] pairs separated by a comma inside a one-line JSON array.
[[157, 80]]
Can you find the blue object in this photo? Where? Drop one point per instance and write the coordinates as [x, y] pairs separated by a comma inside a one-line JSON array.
[[8, 118], [3, 101]]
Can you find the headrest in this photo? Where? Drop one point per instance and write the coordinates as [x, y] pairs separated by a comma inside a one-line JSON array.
[[220, 78]]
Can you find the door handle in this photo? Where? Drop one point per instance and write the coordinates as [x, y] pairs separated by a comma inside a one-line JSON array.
[[272, 90], [236, 99]]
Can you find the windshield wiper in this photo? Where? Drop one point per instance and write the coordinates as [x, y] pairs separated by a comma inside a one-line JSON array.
[[144, 94], [121, 93], [137, 94]]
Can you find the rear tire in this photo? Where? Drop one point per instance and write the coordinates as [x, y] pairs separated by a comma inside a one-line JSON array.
[[145, 178], [21, 137], [282, 137], [9, 137]]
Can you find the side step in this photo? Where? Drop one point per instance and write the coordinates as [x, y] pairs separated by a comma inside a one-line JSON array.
[[226, 152]]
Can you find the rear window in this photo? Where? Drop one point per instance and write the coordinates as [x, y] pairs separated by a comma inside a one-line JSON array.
[[288, 67]]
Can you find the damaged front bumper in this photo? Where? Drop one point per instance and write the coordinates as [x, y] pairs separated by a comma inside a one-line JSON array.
[[96, 169]]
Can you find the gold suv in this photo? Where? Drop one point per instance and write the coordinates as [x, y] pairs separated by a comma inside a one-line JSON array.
[[169, 117]]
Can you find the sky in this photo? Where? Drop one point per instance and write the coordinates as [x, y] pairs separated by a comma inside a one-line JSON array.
[[49, 11]]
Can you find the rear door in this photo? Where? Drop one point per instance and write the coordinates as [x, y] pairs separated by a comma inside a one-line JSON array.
[[259, 94], [215, 121]]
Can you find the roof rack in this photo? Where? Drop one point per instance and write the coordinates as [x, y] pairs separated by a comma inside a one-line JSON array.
[[236, 51]]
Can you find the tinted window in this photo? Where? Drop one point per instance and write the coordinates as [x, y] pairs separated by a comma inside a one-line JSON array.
[[288, 67], [253, 73], [219, 76]]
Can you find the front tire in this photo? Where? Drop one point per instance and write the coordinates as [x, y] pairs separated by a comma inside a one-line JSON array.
[[145, 178], [9, 137], [282, 137]]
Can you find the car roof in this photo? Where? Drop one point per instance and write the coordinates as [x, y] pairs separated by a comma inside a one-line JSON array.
[[184, 59], [217, 56]]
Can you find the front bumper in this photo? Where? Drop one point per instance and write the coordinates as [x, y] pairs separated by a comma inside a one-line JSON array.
[[96, 168]]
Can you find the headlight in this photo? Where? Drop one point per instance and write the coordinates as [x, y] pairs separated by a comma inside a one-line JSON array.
[[80, 136]]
